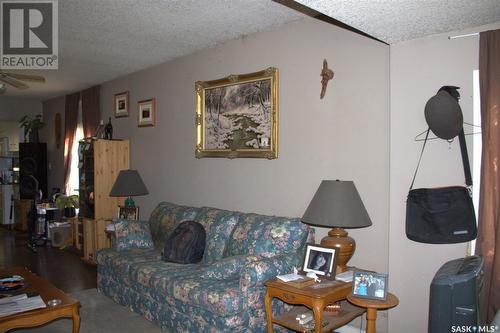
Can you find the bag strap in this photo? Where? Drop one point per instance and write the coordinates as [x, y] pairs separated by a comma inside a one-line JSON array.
[[420, 158], [465, 158], [463, 151]]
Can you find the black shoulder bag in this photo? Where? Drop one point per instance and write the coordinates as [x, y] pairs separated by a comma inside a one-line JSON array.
[[442, 215]]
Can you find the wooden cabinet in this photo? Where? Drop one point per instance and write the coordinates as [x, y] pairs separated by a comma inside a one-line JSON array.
[[100, 164], [94, 237], [21, 211]]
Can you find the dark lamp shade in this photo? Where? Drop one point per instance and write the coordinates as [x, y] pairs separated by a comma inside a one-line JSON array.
[[128, 183], [337, 204]]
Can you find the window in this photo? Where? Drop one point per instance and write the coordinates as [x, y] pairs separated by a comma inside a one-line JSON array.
[[477, 147], [73, 181]]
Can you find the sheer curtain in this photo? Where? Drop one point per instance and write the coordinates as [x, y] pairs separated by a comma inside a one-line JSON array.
[[72, 183], [70, 124], [488, 240]]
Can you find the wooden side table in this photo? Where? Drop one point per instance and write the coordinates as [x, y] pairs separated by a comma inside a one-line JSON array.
[[372, 306], [315, 297]]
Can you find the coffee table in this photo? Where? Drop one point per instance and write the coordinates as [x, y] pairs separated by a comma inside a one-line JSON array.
[[69, 307]]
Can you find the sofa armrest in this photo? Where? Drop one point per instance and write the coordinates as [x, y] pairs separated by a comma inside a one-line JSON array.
[[256, 273]]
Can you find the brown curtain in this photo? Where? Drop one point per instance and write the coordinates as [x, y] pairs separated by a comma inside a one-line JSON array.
[[91, 112], [70, 123], [488, 239]]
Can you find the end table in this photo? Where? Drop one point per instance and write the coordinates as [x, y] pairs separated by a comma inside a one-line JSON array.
[[315, 297], [372, 306]]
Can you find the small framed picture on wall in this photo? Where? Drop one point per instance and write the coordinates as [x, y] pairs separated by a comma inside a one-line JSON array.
[[146, 112], [121, 104]]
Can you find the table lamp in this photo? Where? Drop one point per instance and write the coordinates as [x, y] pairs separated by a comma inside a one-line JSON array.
[[337, 205], [128, 184]]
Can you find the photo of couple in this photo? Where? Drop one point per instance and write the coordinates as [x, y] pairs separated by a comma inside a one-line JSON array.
[[370, 285]]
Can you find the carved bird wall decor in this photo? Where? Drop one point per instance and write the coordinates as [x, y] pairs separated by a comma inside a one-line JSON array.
[[326, 75]]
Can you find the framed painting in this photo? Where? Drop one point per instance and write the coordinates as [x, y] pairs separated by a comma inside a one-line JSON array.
[[146, 112], [237, 116], [121, 104]]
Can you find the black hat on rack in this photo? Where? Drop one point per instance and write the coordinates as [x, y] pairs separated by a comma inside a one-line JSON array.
[[443, 113]]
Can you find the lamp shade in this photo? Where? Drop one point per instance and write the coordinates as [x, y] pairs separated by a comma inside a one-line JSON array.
[[337, 204], [128, 183]]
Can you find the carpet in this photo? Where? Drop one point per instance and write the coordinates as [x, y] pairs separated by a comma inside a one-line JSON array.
[[99, 314]]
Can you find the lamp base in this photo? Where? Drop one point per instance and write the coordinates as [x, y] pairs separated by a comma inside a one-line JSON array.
[[129, 202], [338, 238]]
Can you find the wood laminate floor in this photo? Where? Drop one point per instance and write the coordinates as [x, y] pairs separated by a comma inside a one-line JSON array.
[[63, 268]]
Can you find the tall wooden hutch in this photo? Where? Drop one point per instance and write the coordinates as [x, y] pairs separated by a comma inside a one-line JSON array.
[[100, 162]]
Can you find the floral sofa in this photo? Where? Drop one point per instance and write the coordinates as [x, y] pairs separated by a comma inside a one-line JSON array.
[[225, 291]]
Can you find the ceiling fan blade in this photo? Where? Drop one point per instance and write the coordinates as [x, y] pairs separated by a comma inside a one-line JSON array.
[[25, 77], [13, 82]]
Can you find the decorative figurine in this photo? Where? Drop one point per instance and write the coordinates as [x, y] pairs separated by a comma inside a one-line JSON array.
[[108, 130], [327, 75]]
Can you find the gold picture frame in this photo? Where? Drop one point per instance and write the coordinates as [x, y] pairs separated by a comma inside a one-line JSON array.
[[244, 106], [121, 104], [146, 112]]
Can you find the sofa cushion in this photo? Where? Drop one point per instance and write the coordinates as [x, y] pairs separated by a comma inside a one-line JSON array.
[[227, 268], [260, 234], [183, 283], [219, 225], [119, 263], [131, 234], [165, 217]]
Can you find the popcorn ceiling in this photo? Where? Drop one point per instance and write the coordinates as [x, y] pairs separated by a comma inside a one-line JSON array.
[[393, 21]]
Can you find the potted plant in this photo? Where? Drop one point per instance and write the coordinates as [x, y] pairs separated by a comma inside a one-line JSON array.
[[31, 127], [68, 203]]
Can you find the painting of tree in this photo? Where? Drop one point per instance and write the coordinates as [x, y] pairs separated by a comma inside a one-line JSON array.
[[239, 114]]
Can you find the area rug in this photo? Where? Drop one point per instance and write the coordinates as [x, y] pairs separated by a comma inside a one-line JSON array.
[[99, 314]]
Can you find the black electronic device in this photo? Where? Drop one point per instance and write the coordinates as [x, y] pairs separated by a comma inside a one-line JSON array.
[[454, 295], [32, 170]]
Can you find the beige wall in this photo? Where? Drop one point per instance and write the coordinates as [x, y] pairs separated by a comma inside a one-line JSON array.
[[418, 69], [345, 136], [11, 111], [12, 108]]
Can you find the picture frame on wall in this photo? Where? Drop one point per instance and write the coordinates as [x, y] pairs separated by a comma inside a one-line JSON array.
[[370, 285], [237, 116], [128, 213], [121, 104], [146, 112], [320, 260]]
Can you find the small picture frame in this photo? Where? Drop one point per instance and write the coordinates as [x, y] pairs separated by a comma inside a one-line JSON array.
[[370, 285], [146, 112], [128, 213], [121, 104], [320, 260]]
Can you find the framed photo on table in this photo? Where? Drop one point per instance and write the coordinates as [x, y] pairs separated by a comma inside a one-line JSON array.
[[128, 213], [121, 104], [320, 260], [370, 285]]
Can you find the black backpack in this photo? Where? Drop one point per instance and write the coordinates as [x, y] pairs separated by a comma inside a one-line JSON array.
[[186, 244]]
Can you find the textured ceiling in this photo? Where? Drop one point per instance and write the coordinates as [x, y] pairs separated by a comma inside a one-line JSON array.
[[394, 21], [103, 39]]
